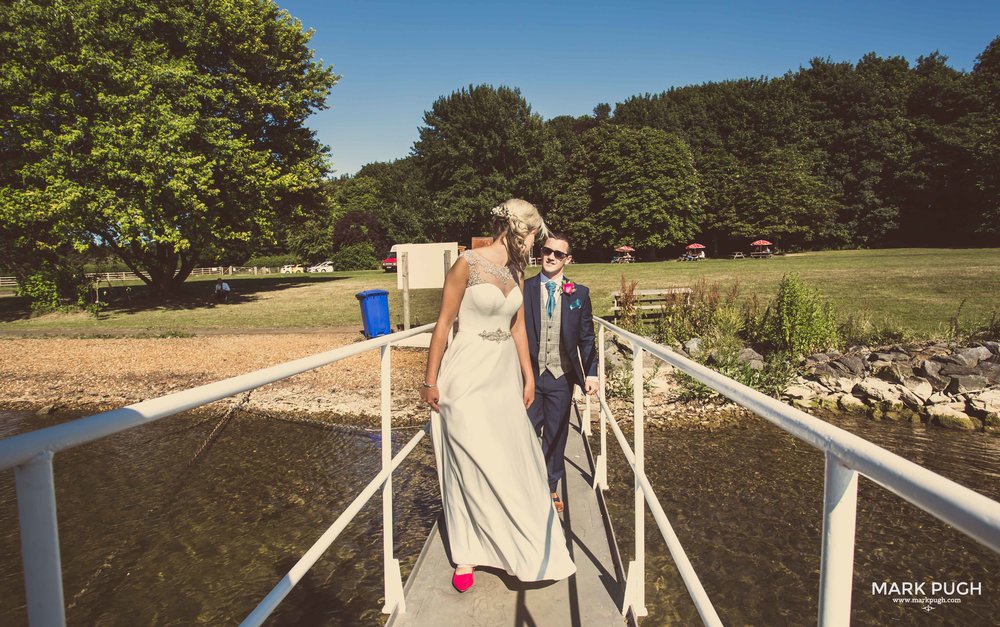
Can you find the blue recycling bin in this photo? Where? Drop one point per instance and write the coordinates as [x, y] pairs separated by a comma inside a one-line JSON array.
[[375, 312]]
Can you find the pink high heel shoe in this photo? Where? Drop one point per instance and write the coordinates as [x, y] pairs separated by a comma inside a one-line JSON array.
[[462, 582]]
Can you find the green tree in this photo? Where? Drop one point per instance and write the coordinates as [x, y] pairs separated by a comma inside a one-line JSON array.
[[938, 190], [159, 130], [478, 147], [857, 115], [404, 203], [985, 144], [630, 186], [778, 197]]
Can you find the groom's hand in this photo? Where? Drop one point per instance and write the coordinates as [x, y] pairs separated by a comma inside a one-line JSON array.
[[591, 385]]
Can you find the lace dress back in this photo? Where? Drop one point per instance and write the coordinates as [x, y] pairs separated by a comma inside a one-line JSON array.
[[482, 270]]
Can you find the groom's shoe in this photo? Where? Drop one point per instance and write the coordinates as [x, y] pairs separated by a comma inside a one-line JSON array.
[[462, 582]]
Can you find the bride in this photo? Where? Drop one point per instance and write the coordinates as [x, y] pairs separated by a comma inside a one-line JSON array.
[[494, 485]]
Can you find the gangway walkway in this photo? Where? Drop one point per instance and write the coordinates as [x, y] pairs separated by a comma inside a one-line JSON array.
[[593, 596]]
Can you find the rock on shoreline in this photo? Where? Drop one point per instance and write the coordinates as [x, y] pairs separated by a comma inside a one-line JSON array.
[[940, 383]]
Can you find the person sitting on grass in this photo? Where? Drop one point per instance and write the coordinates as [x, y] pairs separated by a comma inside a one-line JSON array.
[[221, 291]]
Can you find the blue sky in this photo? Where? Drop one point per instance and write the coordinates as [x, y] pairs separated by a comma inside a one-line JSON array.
[[396, 58]]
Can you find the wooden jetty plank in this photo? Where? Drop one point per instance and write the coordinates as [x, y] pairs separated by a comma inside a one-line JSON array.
[[592, 596]]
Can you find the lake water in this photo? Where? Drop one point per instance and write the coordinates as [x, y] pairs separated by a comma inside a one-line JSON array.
[[170, 525]]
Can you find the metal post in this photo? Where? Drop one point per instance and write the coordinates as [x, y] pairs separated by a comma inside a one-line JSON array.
[[638, 418], [840, 507], [601, 470], [36, 510], [404, 267], [392, 577], [447, 264]]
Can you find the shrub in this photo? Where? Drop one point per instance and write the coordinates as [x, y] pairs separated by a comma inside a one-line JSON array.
[[859, 329], [984, 329], [697, 315], [51, 287], [359, 256], [629, 315], [618, 383], [799, 322]]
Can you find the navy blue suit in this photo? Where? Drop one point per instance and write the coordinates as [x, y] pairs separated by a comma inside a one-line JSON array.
[[550, 412]]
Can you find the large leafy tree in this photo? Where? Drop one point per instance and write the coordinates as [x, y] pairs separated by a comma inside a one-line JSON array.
[[629, 186], [404, 204], [985, 144], [478, 147], [164, 131], [857, 120], [938, 190], [777, 197]]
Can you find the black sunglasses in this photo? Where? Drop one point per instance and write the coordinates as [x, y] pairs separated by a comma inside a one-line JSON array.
[[558, 254]]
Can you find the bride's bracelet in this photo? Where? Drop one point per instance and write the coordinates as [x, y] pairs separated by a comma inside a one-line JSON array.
[[428, 385]]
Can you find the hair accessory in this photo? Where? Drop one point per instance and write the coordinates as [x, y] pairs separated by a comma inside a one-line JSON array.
[[501, 211]]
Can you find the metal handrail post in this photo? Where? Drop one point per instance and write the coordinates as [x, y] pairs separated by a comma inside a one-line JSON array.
[[391, 575], [638, 420], [601, 466], [840, 507], [36, 510]]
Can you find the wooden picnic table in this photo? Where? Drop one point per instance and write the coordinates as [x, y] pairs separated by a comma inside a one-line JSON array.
[[760, 255], [737, 255]]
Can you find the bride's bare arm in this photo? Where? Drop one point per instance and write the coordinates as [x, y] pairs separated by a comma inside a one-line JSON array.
[[520, 335], [451, 300]]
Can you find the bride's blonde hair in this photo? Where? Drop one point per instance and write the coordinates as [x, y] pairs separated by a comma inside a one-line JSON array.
[[517, 218]]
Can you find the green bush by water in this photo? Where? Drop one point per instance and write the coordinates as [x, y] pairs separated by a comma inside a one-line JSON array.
[[799, 321]]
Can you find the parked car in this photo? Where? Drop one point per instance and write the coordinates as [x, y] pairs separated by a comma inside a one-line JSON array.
[[292, 269], [324, 266], [389, 263]]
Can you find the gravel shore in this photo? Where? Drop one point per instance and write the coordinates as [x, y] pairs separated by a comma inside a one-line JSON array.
[[78, 376], [69, 374]]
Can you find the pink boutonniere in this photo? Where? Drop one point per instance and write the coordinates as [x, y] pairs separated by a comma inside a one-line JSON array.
[[568, 287]]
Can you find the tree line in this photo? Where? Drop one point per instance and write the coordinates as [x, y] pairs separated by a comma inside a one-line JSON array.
[[168, 135], [882, 152]]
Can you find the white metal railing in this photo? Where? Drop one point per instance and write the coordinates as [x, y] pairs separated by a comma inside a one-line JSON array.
[[846, 454], [31, 455]]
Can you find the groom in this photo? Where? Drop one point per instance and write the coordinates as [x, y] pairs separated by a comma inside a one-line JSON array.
[[560, 327]]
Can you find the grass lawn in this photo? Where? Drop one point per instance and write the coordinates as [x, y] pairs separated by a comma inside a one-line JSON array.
[[919, 289]]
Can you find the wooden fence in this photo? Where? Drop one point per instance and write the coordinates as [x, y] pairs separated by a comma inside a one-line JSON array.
[[107, 277]]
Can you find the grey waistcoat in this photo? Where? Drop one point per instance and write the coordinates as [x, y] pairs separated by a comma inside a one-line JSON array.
[[551, 355]]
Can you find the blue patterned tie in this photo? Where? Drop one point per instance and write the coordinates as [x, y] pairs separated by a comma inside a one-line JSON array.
[[550, 305]]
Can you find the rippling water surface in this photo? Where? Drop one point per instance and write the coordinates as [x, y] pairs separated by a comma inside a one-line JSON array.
[[746, 503], [169, 525], [154, 532]]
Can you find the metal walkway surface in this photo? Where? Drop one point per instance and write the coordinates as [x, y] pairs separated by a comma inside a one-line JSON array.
[[593, 596]]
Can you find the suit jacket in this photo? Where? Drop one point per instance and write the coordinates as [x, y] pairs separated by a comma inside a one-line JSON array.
[[576, 335]]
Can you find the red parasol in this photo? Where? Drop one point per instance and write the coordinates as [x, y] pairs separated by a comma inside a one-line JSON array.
[[624, 249], [691, 246], [762, 242]]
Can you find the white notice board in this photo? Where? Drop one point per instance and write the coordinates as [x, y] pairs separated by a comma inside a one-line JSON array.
[[425, 264]]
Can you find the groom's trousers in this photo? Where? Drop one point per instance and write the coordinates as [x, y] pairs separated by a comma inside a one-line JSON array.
[[549, 415]]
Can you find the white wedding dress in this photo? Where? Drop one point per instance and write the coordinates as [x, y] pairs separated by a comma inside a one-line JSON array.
[[494, 487]]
